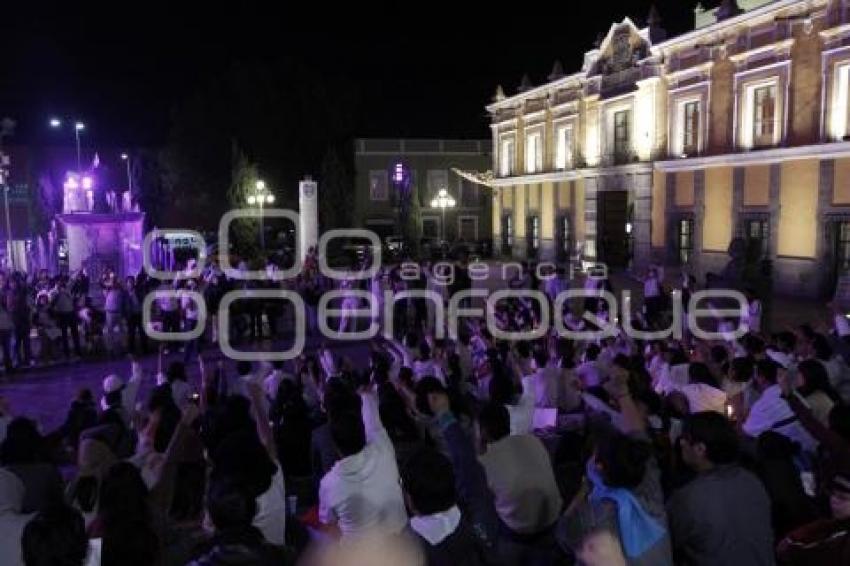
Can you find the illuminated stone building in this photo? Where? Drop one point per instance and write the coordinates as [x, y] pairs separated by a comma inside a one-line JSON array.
[[665, 149]]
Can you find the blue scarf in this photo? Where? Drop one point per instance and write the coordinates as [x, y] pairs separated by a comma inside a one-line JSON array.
[[638, 530]]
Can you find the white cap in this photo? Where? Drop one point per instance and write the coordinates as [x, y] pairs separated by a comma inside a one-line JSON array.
[[780, 358], [112, 383]]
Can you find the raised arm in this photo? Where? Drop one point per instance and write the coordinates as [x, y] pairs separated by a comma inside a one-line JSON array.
[[264, 430], [131, 390], [617, 386], [470, 478], [830, 440], [375, 430]]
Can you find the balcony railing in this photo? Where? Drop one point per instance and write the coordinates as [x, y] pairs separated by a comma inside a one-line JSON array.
[[619, 157]]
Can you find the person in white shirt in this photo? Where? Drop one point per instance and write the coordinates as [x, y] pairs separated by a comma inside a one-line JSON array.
[[772, 412], [121, 396], [545, 379], [519, 474], [702, 391], [361, 493], [753, 315], [835, 366], [271, 382], [652, 299], [350, 303], [427, 366]]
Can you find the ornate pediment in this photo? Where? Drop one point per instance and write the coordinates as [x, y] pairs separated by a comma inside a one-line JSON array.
[[621, 50]]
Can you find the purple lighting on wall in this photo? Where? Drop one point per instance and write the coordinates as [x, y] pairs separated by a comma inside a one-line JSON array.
[[88, 182], [398, 174]]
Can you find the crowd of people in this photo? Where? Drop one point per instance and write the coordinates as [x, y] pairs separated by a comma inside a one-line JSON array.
[[439, 450]]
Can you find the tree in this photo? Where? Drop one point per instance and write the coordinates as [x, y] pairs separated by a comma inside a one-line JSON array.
[[152, 186], [336, 190], [244, 178], [281, 124]]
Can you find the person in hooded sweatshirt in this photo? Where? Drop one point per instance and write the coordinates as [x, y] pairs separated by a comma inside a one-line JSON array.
[[12, 521], [444, 534], [361, 493]]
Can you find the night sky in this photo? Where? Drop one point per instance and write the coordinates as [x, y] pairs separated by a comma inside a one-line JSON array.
[[420, 69]]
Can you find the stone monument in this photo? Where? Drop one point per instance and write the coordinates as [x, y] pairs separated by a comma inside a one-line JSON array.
[[308, 211], [100, 239]]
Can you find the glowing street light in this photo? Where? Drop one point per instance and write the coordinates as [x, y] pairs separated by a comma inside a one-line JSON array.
[[56, 123], [126, 158], [443, 201], [260, 198]]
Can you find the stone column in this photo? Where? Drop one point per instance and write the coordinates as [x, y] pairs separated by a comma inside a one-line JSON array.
[[775, 187], [641, 232], [591, 190], [699, 218], [737, 200], [308, 213]]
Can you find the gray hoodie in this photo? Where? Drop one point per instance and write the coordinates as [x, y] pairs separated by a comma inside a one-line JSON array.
[[12, 522]]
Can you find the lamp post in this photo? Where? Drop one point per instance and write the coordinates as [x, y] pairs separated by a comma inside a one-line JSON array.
[[126, 158], [56, 123], [7, 128], [443, 201], [260, 198]]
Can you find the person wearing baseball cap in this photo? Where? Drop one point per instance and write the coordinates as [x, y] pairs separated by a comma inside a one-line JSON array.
[[119, 396]]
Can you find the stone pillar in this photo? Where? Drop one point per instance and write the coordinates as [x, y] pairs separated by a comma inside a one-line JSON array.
[[699, 218], [669, 218], [308, 212], [641, 222], [737, 200], [591, 189], [775, 188]]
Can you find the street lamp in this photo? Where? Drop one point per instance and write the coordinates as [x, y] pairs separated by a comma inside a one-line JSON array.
[[443, 201], [260, 198], [56, 123], [126, 158]]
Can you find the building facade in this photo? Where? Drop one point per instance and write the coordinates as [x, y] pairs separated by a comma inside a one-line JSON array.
[[666, 149], [387, 168]]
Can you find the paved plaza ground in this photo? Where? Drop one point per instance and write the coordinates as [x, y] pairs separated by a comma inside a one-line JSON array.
[[45, 393]]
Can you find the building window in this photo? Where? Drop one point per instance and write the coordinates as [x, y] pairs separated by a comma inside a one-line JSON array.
[[507, 158], [436, 179], [846, 103], [685, 239], [622, 136], [507, 233], [690, 128], [469, 195], [468, 228], [564, 235], [764, 116], [757, 236], [534, 233], [564, 148], [843, 251], [378, 189], [840, 112], [430, 227], [533, 152]]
